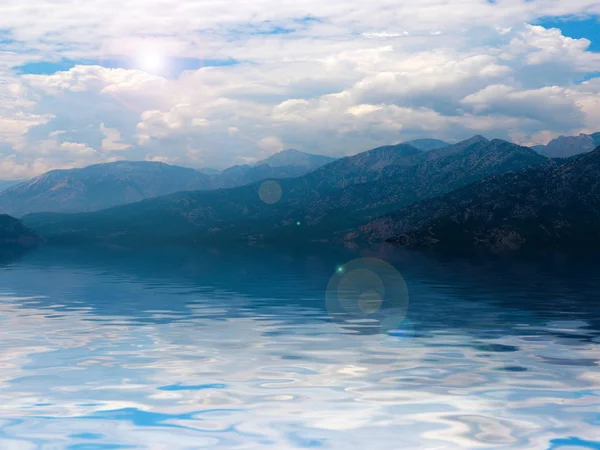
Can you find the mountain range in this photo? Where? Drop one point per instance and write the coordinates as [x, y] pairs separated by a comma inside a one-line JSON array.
[[567, 146], [5, 184], [427, 193], [296, 158], [339, 195], [102, 186], [105, 185], [427, 144], [551, 207]]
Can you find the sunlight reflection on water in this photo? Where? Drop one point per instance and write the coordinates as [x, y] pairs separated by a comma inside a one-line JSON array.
[[110, 356]]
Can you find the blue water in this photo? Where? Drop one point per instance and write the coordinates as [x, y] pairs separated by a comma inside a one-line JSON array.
[[246, 348]]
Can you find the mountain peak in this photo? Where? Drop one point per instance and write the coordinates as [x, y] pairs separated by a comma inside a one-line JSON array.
[[335, 197], [503, 141], [567, 146], [476, 140], [427, 144], [291, 151], [293, 157]]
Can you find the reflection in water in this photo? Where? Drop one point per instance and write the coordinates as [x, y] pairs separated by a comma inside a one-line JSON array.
[[217, 348]]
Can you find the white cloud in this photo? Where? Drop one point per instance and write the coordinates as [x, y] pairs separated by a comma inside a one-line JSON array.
[[385, 34], [163, 159], [76, 148], [541, 46], [550, 105], [11, 168], [268, 146], [588, 98], [17, 114], [334, 78], [132, 26], [111, 141]]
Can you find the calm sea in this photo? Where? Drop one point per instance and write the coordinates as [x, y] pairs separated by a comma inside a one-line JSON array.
[[251, 348]]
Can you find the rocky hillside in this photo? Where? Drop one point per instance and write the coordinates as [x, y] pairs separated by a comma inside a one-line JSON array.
[[105, 185], [556, 207], [567, 146], [99, 186], [14, 234], [5, 184], [296, 158], [334, 197], [428, 144], [246, 174]]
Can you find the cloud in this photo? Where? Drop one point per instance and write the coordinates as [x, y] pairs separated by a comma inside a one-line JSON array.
[[550, 106], [271, 144], [385, 34], [333, 78], [131, 26], [541, 46], [16, 112], [111, 141]]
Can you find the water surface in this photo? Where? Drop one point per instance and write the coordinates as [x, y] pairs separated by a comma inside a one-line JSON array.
[[238, 349]]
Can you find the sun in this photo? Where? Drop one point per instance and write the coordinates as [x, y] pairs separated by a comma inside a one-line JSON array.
[[150, 61]]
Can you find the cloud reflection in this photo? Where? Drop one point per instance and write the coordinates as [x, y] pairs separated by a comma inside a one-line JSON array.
[[187, 368]]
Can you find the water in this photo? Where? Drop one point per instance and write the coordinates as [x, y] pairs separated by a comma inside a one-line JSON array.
[[239, 349]]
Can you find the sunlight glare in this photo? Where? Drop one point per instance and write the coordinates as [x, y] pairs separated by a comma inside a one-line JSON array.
[[150, 61]]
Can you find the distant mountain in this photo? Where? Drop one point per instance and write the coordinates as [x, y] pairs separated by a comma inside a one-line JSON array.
[[567, 146], [369, 166], [428, 144], [105, 185], [99, 186], [5, 184], [208, 171], [14, 234], [296, 158], [334, 197], [285, 164], [246, 174], [554, 207]]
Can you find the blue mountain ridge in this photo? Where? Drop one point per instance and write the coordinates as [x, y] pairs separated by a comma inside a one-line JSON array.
[[339, 195]]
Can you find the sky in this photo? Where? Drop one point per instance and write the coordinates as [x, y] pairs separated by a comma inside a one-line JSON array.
[[213, 83]]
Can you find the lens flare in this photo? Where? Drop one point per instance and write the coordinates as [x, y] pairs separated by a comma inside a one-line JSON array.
[[270, 192], [367, 290]]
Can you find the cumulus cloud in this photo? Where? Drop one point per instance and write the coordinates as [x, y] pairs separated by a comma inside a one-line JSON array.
[[111, 141], [333, 78], [17, 112], [540, 46], [271, 144], [550, 106]]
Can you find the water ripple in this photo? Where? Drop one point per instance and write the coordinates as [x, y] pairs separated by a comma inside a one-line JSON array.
[[140, 360]]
